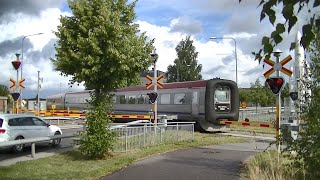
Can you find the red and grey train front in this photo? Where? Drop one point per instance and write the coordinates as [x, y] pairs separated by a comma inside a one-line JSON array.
[[221, 102]]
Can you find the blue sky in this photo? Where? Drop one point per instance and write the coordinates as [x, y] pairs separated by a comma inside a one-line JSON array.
[[167, 21]]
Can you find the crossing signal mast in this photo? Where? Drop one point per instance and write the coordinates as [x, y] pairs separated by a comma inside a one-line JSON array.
[[152, 97], [276, 84], [15, 95]]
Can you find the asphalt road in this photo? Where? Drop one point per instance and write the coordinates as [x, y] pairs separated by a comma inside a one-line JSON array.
[[6, 154], [210, 162]]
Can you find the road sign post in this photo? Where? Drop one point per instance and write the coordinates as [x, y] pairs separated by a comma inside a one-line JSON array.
[[277, 67]]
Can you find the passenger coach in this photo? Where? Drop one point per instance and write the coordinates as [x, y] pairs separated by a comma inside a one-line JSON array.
[[204, 101]]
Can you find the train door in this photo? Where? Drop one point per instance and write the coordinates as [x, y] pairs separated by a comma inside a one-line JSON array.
[[195, 104]]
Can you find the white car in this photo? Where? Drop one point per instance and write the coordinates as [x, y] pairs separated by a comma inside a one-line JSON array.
[[22, 126]]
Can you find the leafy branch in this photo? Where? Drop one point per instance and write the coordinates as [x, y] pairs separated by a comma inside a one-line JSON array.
[[290, 14]]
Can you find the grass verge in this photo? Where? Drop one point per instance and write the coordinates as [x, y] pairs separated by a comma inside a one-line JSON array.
[[72, 165], [265, 165], [262, 130]]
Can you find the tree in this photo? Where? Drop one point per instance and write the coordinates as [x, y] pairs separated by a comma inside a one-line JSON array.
[[101, 46], [290, 16], [4, 91], [308, 145], [185, 66], [285, 92], [258, 94], [244, 95]]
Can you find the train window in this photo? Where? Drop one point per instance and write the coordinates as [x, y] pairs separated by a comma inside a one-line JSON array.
[[195, 98], [165, 99], [114, 99], [141, 99], [179, 99], [122, 99], [131, 99], [222, 94]]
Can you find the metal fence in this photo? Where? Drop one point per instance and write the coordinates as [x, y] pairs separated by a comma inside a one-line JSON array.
[[144, 135], [258, 115], [131, 135], [265, 114]]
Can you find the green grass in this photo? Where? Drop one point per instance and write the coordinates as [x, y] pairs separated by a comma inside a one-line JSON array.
[[72, 165], [253, 129], [265, 165]]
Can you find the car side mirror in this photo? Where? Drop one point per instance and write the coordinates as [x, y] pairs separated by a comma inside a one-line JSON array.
[[48, 124]]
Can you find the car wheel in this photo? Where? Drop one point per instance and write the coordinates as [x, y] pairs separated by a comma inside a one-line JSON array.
[[56, 142], [18, 148]]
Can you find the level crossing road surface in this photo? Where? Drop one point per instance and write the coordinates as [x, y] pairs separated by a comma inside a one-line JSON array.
[[7, 157], [211, 162]]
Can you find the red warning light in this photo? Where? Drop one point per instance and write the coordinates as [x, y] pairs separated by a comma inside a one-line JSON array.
[[16, 64], [275, 84], [279, 82]]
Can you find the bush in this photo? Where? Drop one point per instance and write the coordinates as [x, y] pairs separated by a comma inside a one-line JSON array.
[[97, 140]]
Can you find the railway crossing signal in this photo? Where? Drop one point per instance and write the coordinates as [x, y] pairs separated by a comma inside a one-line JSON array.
[[13, 84], [275, 84], [150, 83], [152, 97], [277, 66], [16, 64], [15, 96], [160, 85], [19, 83], [294, 95]]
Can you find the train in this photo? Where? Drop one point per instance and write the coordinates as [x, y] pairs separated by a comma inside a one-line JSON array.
[[205, 102]]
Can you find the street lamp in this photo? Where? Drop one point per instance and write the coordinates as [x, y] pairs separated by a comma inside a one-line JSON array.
[[235, 52], [22, 58]]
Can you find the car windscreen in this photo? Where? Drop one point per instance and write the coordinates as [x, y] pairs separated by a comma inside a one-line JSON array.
[[1, 121]]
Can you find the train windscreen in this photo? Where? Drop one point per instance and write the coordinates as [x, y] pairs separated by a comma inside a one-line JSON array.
[[222, 99]]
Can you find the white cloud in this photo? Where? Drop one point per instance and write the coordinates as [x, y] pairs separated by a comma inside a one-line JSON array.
[[46, 22], [217, 57], [211, 53], [185, 25]]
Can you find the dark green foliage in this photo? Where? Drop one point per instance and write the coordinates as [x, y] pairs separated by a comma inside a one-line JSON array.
[[96, 141], [4, 91], [186, 66], [308, 146], [260, 95], [102, 47], [290, 16]]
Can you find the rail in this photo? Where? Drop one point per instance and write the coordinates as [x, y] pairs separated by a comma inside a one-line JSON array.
[[131, 136]]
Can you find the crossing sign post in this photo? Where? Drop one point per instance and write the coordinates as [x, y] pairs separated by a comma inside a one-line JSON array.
[[158, 84], [20, 83], [150, 82], [278, 66], [13, 83], [274, 87]]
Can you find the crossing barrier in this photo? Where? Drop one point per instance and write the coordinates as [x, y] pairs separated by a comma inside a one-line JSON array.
[[244, 123], [77, 113]]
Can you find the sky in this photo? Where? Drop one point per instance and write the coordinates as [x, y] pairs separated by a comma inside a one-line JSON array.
[[168, 22]]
